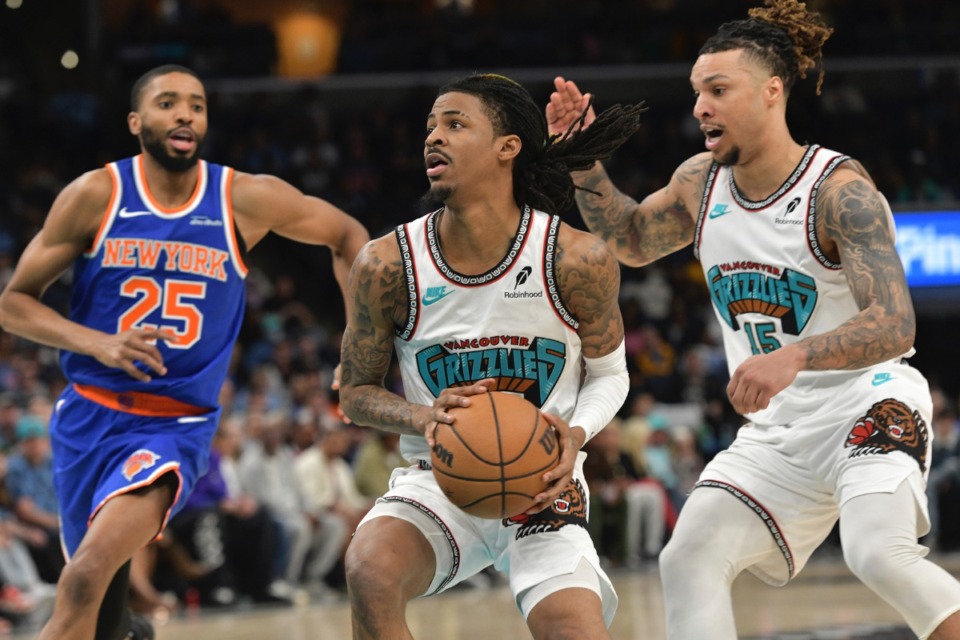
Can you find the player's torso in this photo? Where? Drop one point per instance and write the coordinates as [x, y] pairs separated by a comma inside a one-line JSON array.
[[769, 281], [180, 270], [509, 323]]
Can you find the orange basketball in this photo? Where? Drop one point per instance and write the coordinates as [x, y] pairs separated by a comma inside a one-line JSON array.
[[490, 462]]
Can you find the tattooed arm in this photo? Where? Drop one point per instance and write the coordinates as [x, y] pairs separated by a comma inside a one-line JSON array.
[[589, 279], [377, 288], [638, 233], [854, 227], [855, 220]]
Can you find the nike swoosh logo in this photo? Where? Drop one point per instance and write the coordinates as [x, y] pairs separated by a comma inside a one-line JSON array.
[[188, 419], [428, 300], [881, 378], [123, 213], [716, 213]]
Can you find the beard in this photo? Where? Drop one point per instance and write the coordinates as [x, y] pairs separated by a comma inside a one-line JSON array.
[[730, 158], [153, 144], [437, 194]]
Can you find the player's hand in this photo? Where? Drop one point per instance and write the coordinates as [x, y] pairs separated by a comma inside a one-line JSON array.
[[448, 399], [566, 106], [759, 378], [124, 350], [335, 385], [557, 479]]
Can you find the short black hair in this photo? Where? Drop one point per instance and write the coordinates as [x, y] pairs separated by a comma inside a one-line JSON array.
[[136, 94]]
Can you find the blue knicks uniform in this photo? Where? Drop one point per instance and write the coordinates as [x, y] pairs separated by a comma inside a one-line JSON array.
[[180, 270]]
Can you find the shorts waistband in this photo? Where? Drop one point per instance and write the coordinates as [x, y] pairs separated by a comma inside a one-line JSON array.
[[139, 403]]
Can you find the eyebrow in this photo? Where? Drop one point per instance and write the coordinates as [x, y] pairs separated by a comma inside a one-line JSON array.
[[174, 94], [714, 78], [450, 112]]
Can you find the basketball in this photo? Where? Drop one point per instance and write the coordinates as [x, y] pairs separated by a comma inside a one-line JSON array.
[[490, 462]]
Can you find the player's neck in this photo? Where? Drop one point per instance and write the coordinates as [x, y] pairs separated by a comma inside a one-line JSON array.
[[170, 189], [474, 239], [762, 173]]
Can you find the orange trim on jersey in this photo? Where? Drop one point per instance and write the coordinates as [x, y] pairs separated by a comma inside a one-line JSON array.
[[154, 203], [139, 403], [230, 222], [114, 196]]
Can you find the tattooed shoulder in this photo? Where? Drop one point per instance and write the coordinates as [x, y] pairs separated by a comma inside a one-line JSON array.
[[691, 177], [588, 276], [378, 278]]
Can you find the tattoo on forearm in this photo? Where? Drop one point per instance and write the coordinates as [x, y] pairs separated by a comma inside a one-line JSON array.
[[855, 219], [367, 350], [637, 234]]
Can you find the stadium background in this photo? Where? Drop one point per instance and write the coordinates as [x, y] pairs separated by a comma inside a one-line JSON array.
[[332, 96]]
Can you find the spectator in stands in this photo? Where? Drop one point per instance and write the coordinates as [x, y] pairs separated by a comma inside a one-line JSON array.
[[943, 484], [377, 456], [266, 472], [332, 501], [29, 483], [629, 511]]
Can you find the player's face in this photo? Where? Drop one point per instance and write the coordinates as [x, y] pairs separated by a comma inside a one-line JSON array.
[[730, 106], [460, 144], [171, 121]]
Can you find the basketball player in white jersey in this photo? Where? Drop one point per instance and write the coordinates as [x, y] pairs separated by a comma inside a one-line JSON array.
[[487, 293], [798, 252]]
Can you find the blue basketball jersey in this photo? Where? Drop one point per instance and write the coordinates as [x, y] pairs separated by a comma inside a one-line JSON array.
[[180, 270]]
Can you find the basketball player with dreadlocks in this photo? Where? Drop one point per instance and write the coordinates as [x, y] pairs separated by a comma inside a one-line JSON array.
[[436, 291], [797, 247]]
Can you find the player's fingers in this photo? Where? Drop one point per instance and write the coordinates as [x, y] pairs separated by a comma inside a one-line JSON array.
[[132, 371], [148, 354]]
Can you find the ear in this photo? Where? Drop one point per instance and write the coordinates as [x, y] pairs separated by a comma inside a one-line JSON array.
[[510, 147], [773, 90], [134, 123]]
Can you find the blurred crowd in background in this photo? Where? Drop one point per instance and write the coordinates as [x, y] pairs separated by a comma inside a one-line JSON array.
[[289, 479]]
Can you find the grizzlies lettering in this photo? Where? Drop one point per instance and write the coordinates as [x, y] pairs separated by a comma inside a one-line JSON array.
[[787, 294], [532, 369]]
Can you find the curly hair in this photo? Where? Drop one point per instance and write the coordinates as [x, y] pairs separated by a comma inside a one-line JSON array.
[[784, 36], [542, 169]]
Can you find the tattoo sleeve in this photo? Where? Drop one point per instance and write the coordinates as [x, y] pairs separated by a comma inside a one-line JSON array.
[[640, 233], [589, 279], [854, 217], [377, 289]]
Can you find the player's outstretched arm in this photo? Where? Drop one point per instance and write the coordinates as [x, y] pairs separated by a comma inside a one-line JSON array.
[[638, 232], [264, 203], [68, 231]]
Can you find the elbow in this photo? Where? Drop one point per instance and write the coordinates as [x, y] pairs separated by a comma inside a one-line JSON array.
[[6, 317]]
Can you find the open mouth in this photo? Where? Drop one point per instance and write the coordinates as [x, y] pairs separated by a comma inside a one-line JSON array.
[[183, 139], [713, 135], [435, 163]]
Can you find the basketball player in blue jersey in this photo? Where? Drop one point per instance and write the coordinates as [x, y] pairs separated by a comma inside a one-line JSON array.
[[157, 243], [489, 292], [797, 247]]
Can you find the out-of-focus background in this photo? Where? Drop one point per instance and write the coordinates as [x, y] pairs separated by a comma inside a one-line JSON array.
[[332, 95]]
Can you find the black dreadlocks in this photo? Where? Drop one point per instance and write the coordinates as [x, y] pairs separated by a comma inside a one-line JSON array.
[[541, 172]]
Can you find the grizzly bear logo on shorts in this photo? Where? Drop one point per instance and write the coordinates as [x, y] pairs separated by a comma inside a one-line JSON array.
[[889, 426], [569, 508]]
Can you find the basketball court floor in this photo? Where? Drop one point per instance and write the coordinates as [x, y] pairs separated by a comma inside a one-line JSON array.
[[824, 603]]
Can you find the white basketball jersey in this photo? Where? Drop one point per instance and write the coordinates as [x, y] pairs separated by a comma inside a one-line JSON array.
[[508, 323], [770, 283]]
